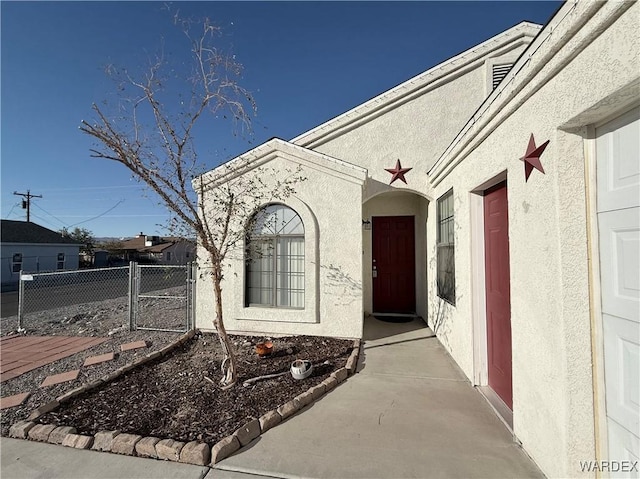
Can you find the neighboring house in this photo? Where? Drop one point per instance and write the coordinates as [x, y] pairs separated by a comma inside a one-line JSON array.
[[33, 248], [158, 250], [522, 255], [96, 258]]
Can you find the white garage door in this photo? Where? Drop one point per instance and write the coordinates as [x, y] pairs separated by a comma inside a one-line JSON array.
[[618, 191]]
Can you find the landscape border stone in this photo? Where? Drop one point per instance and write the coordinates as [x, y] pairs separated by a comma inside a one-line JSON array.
[[103, 440], [125, 444], [340, 374], [78, 441], [194, 452], [146, 447], [41, 432], [20, 429], [169, 450], [58, 435], [269, 420], [248, 432], [329, 383], [288, 409], [304, 399], [224, 448]]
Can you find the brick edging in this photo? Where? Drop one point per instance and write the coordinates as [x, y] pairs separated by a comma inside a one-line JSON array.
[[194, 452]]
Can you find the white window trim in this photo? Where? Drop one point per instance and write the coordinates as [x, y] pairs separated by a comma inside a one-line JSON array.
[[311, 311]]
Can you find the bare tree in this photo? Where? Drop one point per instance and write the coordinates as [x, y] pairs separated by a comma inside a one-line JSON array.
[[152, 133]]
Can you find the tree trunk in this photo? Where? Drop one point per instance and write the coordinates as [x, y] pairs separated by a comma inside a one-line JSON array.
[[228, 366]]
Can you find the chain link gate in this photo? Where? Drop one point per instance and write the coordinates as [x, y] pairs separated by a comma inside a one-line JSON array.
[[162, 297]]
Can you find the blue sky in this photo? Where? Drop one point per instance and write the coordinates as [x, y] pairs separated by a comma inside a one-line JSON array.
[[305, 63]]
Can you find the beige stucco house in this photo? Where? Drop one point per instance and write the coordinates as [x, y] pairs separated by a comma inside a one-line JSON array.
[[496, 196]]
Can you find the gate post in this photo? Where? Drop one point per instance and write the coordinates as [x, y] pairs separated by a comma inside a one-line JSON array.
[[188, 297], [194, 282], [20, 302], [132, 295]]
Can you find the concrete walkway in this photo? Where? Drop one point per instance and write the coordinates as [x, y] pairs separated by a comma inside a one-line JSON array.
[[409, 413]]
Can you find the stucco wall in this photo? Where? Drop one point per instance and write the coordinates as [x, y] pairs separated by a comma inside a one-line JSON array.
[[418, 131], [333, 264], [550, 317]]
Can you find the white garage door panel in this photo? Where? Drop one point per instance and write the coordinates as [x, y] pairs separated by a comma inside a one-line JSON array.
[[620, 251], [622, 370], [618, 192], [618, 180], [624, 447]]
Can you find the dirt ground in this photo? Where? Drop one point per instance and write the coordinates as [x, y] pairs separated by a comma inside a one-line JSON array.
[[168, 398], [178, 397]]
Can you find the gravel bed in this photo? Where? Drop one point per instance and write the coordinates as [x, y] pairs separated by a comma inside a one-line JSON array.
[[100, 319]]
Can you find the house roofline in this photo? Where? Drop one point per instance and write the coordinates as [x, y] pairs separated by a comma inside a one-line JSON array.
[[12, 243], [501, 103], [267, 151], [397, 95]]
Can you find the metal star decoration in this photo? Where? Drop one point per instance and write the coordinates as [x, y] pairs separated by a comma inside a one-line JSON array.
[[532, 157], [398, 172]]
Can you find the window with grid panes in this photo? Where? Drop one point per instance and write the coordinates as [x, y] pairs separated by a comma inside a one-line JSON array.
[[446, 274], [60, 262], [275, 259], [16, 263]]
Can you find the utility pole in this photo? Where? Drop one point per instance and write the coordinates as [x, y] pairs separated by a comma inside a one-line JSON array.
[[26, 204]]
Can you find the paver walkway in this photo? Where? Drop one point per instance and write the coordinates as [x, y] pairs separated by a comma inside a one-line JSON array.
[[19, 354]]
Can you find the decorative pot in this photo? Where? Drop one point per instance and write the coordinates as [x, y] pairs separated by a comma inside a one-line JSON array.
[[264, 349], [301, 369]]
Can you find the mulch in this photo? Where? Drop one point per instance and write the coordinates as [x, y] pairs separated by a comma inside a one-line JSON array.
[[174, 397]]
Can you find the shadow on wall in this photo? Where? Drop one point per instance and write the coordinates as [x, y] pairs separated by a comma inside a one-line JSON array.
[[341, 286]]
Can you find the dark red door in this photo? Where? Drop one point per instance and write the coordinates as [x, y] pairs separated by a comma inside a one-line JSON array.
[[394, 268], [496, 251]]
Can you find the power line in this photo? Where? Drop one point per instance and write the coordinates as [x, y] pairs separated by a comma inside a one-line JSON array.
[[53, 216], [11, 210], [26, 204], [45, 220], [100, 215]]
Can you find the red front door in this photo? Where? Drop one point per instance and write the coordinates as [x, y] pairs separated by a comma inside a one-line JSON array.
[[496, 251], [394, 268]]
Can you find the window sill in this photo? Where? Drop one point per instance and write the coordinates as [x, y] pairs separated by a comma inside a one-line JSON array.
[[276, 314]]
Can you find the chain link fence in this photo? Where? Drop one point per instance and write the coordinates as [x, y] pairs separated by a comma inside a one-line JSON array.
[[98, 301], [49, 301], [162, 298]]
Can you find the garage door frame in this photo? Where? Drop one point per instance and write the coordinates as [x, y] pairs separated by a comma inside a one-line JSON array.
[[595, 300]]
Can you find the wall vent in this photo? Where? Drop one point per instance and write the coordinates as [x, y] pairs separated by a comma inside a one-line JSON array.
[[499, 72]]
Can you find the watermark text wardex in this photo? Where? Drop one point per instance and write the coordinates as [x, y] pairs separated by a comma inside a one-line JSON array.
[[609, 466]]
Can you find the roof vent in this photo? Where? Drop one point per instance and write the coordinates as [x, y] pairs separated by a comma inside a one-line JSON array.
[[499, 72]]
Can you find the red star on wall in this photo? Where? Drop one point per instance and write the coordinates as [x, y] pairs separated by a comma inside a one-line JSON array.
[[398, 172], [532, 157]]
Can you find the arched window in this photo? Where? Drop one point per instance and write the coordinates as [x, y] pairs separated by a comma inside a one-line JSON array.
[[275, 258]]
